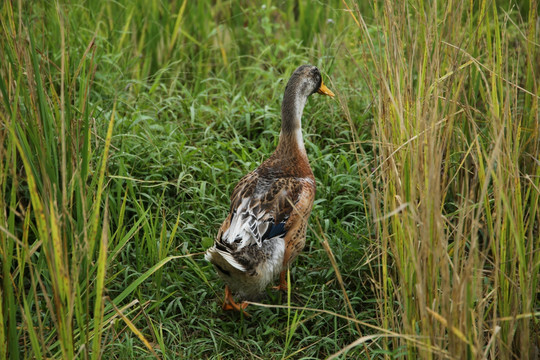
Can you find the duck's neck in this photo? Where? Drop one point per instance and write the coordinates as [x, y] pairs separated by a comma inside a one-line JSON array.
[[291, 120]]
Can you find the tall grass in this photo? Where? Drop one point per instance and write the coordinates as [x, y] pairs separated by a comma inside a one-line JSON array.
[[56, 241], [124, 126], [455, 204], [55, 237]]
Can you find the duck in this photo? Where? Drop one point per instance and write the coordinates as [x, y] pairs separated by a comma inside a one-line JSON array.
[[265, 228]]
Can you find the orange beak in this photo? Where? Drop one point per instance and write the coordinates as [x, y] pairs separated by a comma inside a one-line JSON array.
[[323, 90]]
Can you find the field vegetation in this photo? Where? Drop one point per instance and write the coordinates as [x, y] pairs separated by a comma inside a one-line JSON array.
[[124, 126]]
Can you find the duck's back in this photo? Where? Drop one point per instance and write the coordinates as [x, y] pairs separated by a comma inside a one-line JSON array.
[[266, 223]]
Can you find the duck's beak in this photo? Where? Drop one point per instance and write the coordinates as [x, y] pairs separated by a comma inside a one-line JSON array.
[[323, 90]]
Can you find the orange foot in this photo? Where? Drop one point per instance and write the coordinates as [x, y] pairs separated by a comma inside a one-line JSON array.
[[230, 304], [283, 286]]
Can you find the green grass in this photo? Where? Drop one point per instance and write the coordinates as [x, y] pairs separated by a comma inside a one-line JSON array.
[[126, 124]]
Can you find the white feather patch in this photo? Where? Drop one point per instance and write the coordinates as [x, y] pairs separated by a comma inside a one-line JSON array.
[[240, 226], [230, 259], [269, 269], [212, 252], [299, 138]]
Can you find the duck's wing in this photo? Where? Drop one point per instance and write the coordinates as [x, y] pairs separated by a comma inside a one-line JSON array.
[[262, 209]]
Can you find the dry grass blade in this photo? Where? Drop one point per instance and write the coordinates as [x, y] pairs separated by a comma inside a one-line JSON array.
[[136, 331]]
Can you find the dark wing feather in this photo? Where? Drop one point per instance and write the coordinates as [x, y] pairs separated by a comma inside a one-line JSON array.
[[274, 230]]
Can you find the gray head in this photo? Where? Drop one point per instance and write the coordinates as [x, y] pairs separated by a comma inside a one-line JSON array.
[[305, 81]]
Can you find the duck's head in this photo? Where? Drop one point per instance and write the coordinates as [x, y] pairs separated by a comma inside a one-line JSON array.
[[307, 80]]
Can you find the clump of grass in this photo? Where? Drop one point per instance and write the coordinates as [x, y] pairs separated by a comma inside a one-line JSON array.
[[56, 243], [125, 125], [455, 204]]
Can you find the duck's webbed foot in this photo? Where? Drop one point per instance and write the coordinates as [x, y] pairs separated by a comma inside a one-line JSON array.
[[230, 304]]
